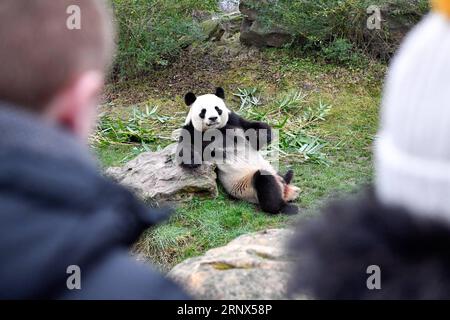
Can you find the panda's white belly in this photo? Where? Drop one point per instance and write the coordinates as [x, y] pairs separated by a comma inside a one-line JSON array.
[[236, 172]]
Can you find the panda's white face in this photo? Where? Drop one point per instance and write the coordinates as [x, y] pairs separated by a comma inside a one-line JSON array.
[[208, 112]]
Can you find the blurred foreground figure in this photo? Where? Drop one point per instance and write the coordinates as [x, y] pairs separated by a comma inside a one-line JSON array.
[[64, 229], [394, 241]]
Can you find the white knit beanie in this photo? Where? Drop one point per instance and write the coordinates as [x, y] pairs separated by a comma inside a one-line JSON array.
[[412, 149]]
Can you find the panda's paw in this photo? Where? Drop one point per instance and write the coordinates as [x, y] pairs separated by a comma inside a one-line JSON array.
[[291, 193], [288, 177]]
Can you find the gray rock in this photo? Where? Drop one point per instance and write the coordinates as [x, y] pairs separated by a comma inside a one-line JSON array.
[[212, 29], [395, 24], [248, 10], [157, 179], [253, 266], [222, 26], [254, 32], [231, 50], [231, 23]]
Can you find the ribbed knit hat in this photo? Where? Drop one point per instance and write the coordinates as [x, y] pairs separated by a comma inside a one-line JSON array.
[[412, 149]]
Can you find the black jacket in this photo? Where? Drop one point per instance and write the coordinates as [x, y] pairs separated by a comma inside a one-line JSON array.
[[56, 210], [336, 250]]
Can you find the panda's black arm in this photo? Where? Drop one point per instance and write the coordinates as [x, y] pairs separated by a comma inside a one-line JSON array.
[[260, 127], [186, 144]]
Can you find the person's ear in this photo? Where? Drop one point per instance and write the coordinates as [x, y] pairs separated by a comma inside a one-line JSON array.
[[220, 93], [189, 99], [74, 107]]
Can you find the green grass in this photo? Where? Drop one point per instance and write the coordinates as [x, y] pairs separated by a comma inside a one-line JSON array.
[[114, 155], [201, 225], [347, 131]]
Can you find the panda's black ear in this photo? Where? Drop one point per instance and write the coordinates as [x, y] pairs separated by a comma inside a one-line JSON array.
[[220, 93], [189, 98]]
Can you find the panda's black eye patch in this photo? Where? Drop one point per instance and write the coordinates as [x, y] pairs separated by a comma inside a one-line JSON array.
[[202, 114], [219, 111]]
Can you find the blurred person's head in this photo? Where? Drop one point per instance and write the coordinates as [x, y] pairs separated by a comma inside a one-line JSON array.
[[53, 58], [412, 155]]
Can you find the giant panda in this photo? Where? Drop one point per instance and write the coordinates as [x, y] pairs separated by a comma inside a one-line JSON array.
[[244, 173]]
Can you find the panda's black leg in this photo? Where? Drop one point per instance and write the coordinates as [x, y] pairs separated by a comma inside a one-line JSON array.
[[270, 195], [288, 177]]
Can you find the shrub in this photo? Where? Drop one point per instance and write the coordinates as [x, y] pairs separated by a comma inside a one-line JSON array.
[[339, 51], [152, 32]]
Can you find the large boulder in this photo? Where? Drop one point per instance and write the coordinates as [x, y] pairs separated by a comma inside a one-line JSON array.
[[212, 29], [254, 32], [156, 178], [231, 23], [396, 22], [253, 266], [221, 26]]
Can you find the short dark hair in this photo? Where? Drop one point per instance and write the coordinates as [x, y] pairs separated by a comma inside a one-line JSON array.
[[39, 54]]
